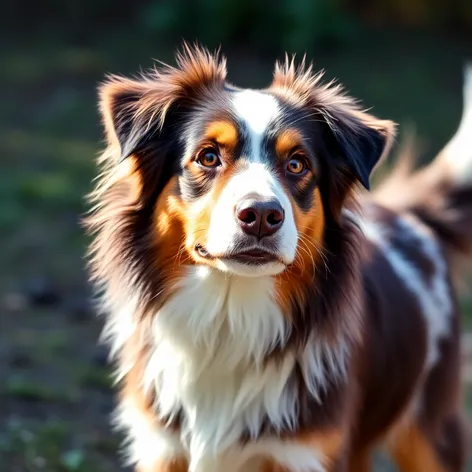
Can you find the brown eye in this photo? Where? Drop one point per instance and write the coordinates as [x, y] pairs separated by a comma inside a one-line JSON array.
[[296, 165], [209, 158]]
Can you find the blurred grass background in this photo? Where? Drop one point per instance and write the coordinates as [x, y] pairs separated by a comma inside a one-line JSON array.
[[402, 57]]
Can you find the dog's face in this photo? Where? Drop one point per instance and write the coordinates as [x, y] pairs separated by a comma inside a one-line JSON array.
[[236, 187], [246, 178], [241, 180]]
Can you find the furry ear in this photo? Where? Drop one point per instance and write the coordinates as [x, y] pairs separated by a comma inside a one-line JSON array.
[[361, 139], [135, 111], [120, 100]]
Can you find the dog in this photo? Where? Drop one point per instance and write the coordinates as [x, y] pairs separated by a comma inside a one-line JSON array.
[[264, 311]]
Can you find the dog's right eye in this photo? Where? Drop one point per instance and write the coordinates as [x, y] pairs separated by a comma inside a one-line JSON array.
[[208, 158]]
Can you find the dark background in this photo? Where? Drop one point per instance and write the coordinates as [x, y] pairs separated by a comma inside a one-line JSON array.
[[404, 58]]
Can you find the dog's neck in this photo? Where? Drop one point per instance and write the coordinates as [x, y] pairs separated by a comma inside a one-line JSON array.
[[222, 321], [208, 361]]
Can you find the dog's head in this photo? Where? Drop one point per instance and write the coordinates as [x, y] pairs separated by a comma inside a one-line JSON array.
[[241, 180]]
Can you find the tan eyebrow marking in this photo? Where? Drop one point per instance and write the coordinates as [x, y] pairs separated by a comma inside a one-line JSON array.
[[223, 132], [286, 141]]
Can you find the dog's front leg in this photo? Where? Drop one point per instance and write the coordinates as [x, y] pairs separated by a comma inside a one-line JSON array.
[[309, 452]]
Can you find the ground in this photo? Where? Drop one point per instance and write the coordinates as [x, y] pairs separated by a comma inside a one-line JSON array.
[[55, 396]]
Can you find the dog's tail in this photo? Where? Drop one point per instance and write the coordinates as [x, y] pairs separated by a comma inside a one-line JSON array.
[[440, 193]]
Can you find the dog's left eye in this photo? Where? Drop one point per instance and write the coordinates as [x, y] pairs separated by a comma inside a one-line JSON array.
[[209, 158], [296, 165]]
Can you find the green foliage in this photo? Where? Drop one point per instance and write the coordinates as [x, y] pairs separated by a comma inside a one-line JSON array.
[[317, 22], [33, 391], [45, 447], [94, 377], [297, 25], [291, 24]]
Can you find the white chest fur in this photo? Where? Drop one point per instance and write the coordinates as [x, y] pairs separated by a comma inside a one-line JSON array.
[[209, 342], [150, 446]]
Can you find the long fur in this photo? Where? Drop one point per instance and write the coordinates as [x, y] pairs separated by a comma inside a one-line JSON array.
[[219, 371]]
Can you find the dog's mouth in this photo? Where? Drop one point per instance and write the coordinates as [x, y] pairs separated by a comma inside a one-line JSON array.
[[253, 256]]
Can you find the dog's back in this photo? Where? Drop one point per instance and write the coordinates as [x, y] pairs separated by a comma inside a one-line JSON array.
[[418, 226]]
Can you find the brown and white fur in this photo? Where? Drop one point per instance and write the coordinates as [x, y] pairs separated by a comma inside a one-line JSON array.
[[264, 314]]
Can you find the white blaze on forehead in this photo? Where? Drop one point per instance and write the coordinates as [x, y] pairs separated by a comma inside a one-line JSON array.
[[256, 110]]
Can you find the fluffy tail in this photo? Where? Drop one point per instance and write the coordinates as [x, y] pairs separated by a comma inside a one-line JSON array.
[[441, 192]]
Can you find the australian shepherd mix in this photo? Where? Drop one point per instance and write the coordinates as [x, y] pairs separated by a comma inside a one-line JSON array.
[[264, 312]]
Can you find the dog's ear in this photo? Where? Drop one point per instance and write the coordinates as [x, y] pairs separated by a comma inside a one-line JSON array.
[[361, 140], [120, 102], [136, 111], [354, 142], [357, 139]]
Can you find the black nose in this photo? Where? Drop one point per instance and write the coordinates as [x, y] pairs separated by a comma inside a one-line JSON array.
[[260, 217]]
